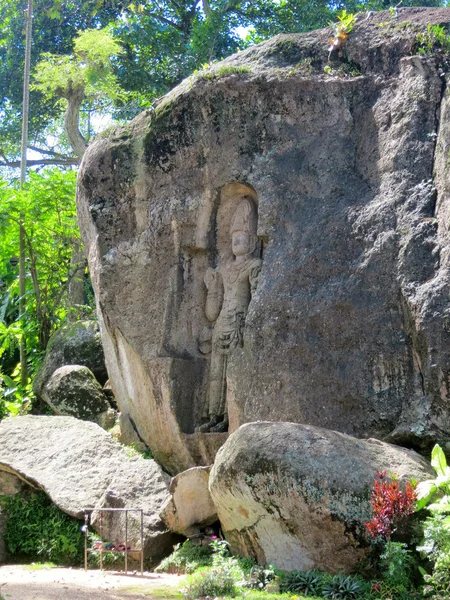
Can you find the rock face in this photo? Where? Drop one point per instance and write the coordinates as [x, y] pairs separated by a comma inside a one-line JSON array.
[[76, 344], [297, 496], [73, 390], [78, 465], [189, 507], [337, 313]]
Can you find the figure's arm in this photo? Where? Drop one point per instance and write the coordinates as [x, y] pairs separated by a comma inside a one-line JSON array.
[[214, 298], [254, 276]]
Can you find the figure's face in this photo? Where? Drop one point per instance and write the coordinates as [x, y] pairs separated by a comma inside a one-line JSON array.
[[241, 243]]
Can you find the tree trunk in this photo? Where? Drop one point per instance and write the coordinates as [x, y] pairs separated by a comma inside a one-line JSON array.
[[76, 285], [74, 97]]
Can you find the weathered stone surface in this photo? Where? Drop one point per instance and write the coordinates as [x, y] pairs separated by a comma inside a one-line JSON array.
[[128, 434], [10, 484], [348, 327], [189, 507], [297, 496], [73, 390], [80, 466], [75, 344]]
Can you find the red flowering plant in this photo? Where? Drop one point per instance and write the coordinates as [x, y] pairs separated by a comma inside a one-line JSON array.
[[390, 505]]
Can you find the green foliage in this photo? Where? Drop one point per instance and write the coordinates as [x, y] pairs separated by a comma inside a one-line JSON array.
[[38, 529], [438, 489], [258, 577], [317, 583], [342, 587], [345, 23], [89, 68], [186, 558], [47, 207], [302, 582], [397, 563], [434, 38], [218, 581], [221, 579], [434, 495]]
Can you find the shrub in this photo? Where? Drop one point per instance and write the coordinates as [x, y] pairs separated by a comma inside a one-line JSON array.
[[390, 505], [343, 587], [397, 563], [38, 529], [186, 558], [213, 582], [258, 577], [221, 579], [302, 582]]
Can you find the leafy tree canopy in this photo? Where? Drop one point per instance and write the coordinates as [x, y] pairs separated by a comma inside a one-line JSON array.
[[162, 42], [47, 208], [55, 25]]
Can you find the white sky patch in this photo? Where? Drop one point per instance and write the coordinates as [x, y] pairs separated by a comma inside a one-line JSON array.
[[243, 31]]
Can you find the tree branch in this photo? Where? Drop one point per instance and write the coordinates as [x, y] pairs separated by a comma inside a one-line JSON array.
[[168, 22], [49, 152], [66, 162]]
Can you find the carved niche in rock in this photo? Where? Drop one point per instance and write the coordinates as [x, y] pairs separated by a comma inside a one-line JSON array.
[[230, 287]]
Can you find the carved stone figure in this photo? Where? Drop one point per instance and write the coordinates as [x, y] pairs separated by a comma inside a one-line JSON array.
[[230, 288]]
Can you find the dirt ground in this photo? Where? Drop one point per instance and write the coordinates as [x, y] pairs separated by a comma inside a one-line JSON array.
[[21, 582]]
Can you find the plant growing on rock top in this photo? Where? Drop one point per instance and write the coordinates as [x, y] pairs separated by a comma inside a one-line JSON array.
[[341, 30]]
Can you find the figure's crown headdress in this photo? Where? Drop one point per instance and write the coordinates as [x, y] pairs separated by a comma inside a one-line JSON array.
[[244, 218]]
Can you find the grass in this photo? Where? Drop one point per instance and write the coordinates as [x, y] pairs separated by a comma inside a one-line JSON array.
[[169, 592], [38, 566], [164, 591], [256, 595]]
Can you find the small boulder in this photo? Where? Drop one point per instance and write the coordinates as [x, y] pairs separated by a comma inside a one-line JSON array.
[[190, 507], [73, 390], [298, 496], [75, 344]]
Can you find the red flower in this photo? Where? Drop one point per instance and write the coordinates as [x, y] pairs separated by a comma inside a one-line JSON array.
[[390, 504]]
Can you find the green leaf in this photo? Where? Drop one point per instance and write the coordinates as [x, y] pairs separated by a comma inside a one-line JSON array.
[[438, 460], [425, 491], [439, 507]]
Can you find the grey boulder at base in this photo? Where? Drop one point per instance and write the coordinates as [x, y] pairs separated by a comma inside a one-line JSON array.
[[78, 465], [73, 391], [190, 507], [74, 344], [298, 496]]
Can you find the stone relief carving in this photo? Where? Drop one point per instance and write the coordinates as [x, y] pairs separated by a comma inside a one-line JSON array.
[[229, 290]]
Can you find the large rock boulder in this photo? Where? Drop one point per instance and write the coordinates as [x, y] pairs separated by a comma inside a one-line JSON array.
[[78, 465], [75, 344], [298, 496], [347, 190], [190, 507], [73, 390]]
